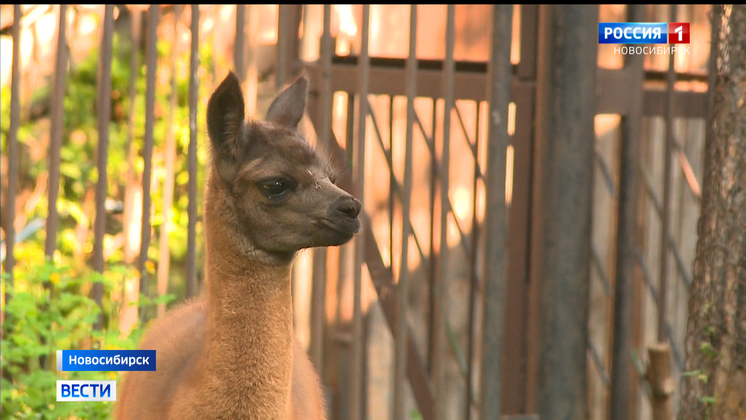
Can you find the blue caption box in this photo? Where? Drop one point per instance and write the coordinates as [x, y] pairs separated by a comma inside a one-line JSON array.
[[632, 33], [106, 360]]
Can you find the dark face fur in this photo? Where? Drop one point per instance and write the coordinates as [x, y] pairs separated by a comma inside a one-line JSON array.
[[276, 189]]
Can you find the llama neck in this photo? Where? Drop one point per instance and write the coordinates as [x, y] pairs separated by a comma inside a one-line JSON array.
[[248, 351]]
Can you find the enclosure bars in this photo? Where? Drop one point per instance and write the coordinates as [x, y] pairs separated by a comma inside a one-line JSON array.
[[499, 78], [439, 309], [55, 135], [12, 150], [356, 378], [104, 116], [622, 389], [561, 227], [147, 153], [164, 252], [318, 292], [400, 355], [191, 269]]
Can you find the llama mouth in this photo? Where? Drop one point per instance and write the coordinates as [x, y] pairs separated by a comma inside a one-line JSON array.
[[347, 226]]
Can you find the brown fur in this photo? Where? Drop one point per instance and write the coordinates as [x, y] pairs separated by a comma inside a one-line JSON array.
[[231, 354]]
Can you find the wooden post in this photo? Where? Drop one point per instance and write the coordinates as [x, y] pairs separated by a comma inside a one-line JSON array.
[[660, 380]]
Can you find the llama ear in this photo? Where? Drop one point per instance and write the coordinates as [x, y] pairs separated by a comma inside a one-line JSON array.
[[225, 119], [288, 107]]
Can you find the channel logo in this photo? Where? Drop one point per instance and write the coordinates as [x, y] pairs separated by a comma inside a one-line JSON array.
[[86, 390], [678, 33], [643, 33]]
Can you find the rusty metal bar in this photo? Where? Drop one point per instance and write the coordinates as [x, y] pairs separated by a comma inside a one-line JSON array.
[[439, 310], [191, 262], [563, 190], [288, 23], [356, 408], [495, 213], [392, 179], [134, 75], [283, 26], [239, 48], [12, 149], [387, 78], [474, 290], [55, 134], [519, 353], [622, 394], [400, 354], [164, 254], [318, 292], [666, 210], [432, 273], [147, 149], [104, 116]]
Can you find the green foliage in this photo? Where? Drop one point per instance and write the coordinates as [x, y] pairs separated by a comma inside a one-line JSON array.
[[707, 350], [41, 320]]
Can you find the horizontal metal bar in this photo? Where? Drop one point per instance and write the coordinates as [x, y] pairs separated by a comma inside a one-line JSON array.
[[387, 78]]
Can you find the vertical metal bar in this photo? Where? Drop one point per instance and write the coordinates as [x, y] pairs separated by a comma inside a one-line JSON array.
[[519, 353], [239, 48], [357, 321], [433, 268], [392, 181], [666, 213], [473, 271], [104, 115], [191, 271], [439, 328], [282, 44], [500, 72], [147, 150], [164, 258], [55, 141], [15, 112], [134, 75], [563, 190], [400, 355], [318, 294], [622, 367], [289, 19]]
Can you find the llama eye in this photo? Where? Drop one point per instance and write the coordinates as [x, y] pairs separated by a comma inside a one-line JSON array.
[[275, 188]]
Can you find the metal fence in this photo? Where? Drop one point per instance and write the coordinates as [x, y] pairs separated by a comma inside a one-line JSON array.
[[538, 258]]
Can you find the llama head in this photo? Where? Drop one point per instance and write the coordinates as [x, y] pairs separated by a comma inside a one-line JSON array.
[[271, 185]]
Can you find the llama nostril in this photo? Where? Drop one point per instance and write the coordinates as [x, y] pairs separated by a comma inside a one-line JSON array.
[[350, 207]]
